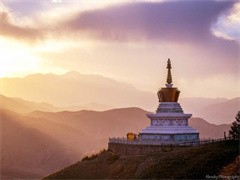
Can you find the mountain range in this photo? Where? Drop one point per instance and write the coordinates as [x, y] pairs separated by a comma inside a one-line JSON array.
[[223, 112], [37, 142], [117, 122], [22, 106], [74, 91], [217, 111], [50, 121]]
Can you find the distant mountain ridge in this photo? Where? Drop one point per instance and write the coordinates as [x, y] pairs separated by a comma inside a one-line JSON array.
[[117, 122], [74, 91], [196, 103], [22, 106], [217, 111], [224, 112], [27, 152], [208, 130]]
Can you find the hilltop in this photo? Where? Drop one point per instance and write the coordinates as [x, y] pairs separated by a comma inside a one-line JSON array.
[[186, 163]]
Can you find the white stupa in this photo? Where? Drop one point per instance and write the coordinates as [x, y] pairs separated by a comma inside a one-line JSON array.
[[169, 124]]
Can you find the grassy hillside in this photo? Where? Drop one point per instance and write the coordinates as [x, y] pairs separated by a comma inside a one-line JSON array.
[[187, 163]]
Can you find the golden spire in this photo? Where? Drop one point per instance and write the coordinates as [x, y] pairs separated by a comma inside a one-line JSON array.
[[169, 93], [169, 76]]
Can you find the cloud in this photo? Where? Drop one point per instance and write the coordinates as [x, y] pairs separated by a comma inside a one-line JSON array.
[[176, 21], [9, 28], [170, 21], [227, 25], [186, 23]]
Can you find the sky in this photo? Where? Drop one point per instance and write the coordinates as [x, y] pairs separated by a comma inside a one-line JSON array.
[[129, 41]]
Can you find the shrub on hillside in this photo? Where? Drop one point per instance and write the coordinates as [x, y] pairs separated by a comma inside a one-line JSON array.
[[93, 156], [235, 128], [87, 158]]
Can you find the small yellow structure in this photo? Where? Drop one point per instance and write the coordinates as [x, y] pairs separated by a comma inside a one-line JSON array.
[[130, 136]]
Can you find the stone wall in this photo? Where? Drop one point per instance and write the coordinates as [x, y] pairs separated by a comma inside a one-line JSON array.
[[137, 149]]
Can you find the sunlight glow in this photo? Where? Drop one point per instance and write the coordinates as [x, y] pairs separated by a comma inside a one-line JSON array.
[[16, 60], [19, 59]]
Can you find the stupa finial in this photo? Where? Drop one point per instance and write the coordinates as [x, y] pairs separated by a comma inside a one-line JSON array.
[[169, 93], [169, 75]]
